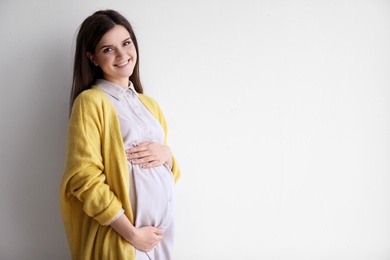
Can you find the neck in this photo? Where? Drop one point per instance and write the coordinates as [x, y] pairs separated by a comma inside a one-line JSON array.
[[121, 83]]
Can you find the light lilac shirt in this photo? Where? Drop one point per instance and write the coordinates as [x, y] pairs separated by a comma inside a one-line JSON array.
[[152, 189]]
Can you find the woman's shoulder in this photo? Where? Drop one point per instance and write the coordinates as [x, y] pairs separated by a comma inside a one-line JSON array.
[[93, 101], [92, 96], [148, 101], [91, 93], [153, 107]]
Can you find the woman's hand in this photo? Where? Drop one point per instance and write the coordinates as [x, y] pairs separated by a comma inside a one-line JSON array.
[[146, 238], [150, 154]]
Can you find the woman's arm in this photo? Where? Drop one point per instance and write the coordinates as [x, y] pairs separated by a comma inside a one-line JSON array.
[[144, 239], [155, 109], [84, 176], [150, 154]]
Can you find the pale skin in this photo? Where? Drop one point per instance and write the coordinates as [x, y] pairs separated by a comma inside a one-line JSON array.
[[150, 154], [116, 55]]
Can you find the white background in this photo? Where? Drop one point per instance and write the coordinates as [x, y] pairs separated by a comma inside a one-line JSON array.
[[278, 112]]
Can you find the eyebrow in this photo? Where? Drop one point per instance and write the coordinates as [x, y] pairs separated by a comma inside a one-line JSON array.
[[110, 45]]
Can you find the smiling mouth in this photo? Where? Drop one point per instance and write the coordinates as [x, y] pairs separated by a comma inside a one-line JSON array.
[[122, 64]]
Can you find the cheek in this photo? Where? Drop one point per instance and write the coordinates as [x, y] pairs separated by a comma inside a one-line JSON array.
[[104, 60], [133, 52]]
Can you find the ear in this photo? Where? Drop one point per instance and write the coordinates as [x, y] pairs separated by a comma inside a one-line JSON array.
[[92, 58]]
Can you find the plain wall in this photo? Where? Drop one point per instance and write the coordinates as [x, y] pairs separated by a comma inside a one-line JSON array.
[[278, 113]]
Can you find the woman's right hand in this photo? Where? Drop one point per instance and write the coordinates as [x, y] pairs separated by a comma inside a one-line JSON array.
[[146, 238]]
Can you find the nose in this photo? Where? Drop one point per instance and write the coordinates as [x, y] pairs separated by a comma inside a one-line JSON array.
[[120, 53]]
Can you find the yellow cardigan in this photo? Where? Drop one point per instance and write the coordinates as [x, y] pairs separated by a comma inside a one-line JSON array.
[[95, 183]]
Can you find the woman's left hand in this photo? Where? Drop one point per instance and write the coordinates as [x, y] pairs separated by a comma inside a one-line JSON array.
[[150, 154]]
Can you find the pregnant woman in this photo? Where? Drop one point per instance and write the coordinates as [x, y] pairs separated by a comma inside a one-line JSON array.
[[117, 191]]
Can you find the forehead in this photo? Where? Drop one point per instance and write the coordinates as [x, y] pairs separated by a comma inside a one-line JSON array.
[[116, 35]]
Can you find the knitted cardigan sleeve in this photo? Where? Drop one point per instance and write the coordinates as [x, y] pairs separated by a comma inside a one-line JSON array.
[[84, 176], [156, 111]]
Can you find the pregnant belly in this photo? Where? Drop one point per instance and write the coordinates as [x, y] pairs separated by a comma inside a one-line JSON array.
[[154, 195]]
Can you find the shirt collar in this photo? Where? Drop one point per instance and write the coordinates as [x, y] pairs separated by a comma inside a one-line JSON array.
[[114, 90]]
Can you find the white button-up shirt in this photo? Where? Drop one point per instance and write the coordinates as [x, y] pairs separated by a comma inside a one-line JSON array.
[[151, 189]]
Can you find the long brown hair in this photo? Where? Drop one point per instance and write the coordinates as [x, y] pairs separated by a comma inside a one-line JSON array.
[[85, 73]]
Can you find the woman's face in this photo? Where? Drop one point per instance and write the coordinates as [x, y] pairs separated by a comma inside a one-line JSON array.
[[116, 55]]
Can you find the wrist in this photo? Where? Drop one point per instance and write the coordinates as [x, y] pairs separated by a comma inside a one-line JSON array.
[[124, 228], [131, 234]]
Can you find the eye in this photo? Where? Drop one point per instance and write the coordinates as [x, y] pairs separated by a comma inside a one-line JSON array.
[[105, 50], [126, 43]]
